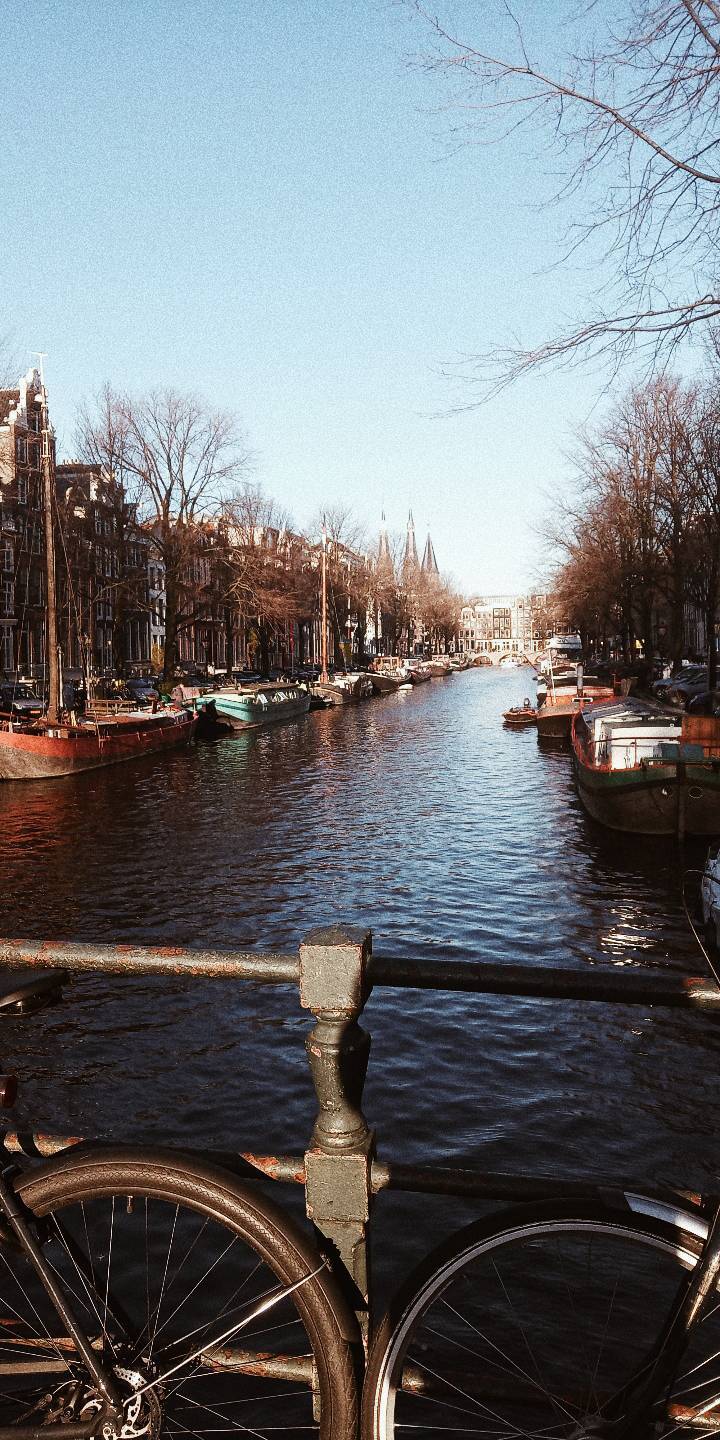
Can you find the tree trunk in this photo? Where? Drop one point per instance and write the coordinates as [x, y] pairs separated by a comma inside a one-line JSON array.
[[171, 629], [264, 638], [229, 637]]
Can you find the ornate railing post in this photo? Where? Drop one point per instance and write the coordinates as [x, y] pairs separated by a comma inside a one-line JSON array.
[[334, 986]]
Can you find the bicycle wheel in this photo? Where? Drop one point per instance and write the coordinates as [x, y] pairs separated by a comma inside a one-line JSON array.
[[165, 1261], [530, 1324]]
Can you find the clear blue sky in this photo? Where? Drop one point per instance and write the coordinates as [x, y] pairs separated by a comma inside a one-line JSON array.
[[252, 199]]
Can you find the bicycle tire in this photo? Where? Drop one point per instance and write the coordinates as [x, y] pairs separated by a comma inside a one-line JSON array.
[[536, 1286], [107, 1216]]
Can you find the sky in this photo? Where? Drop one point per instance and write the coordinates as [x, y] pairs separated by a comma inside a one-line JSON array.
[[255, 200]]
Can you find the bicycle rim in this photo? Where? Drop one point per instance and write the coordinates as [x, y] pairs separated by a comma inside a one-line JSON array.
[[529, 1329], [200, 1297]]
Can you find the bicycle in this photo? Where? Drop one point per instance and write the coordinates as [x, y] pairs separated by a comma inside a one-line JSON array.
[[129, 1275], [593, 1316]]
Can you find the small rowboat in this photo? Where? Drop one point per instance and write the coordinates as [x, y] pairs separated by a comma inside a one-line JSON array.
[[520, 716]]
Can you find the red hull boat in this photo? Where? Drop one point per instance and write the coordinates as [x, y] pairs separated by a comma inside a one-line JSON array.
[[53, 751]]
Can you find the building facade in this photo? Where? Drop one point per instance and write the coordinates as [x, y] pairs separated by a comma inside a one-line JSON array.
[[22, 546], [500, 625]]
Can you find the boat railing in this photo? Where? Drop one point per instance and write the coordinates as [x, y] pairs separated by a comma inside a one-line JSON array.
[[333, 972], [601, 754]]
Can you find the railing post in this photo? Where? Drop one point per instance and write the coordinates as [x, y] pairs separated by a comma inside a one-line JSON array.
[[334, 986]]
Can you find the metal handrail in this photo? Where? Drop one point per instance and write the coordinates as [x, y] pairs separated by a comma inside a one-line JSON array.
[[335, 971], [551, 982]]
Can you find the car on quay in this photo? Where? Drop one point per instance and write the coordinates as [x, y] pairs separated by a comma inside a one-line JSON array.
[[143, 691], [18, 701], [685, 688], [692, 677]]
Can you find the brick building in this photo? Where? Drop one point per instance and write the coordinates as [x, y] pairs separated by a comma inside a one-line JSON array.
[[22, 546]]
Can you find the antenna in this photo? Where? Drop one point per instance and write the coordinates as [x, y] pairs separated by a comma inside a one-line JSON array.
[[41, 355]]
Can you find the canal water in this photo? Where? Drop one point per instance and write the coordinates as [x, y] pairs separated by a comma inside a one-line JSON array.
[[416, 815]]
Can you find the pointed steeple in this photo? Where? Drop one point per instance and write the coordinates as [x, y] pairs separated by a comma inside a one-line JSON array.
[[410, 558], [384, 563], [429, 563]]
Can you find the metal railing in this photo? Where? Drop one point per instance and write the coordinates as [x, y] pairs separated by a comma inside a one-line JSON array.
[[335, 970]]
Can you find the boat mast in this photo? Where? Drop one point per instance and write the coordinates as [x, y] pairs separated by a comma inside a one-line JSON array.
[[323, 635], [48, 478]]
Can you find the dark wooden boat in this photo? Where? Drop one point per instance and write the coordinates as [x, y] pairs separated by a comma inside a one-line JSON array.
[[384, 683], [520, 716], [555, 715], [646, 770], [340, 691]]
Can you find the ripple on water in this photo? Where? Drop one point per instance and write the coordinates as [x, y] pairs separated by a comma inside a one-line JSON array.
[[421, 817]]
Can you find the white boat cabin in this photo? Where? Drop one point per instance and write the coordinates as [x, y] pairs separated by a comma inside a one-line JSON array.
[[628, 732]]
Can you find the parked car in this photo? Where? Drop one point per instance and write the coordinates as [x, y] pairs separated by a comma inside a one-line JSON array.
[[19, 701], [685, 688], [706, 703], [687, 676], [143, 691]]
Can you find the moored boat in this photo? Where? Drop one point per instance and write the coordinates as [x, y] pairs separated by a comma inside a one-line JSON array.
[[46, 752], [519, 717], [555, 715], [338, 691], [250, 705], [58, 744], [385, 683], [646, 770], [418, 674]]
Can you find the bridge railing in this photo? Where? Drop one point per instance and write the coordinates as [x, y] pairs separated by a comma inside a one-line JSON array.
[[334, 971]]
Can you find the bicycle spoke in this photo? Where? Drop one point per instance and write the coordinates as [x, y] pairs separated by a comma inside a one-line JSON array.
[[156, 1284], [540, 1332]]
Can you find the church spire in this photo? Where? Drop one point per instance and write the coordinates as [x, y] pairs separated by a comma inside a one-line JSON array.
[[429, 563], [410, 559], [384, 558]]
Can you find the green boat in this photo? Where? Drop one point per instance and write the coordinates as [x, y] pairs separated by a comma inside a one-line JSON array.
[[249, 705]]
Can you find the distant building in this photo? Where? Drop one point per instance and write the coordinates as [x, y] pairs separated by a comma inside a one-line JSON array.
[[498, 625]]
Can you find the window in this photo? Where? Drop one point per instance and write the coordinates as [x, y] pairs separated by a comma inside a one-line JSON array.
[[7, 597], [98, 523], [22, 489], [7, 659], [21, 451], [8, 558]]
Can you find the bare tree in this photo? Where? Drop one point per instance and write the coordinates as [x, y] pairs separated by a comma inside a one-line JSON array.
[[348, 574], [632, 118], [264, 569], [178, 461]]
